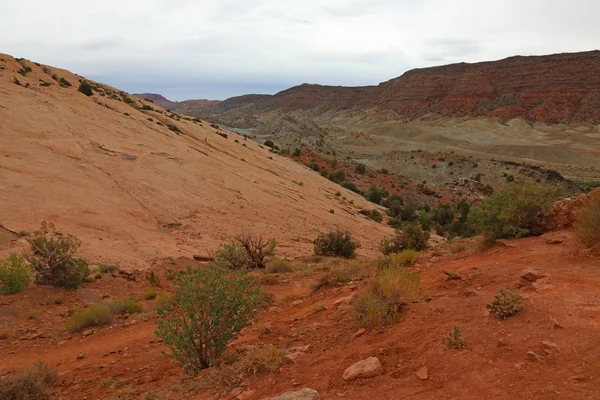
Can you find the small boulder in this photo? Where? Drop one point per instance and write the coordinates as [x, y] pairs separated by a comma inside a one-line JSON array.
[[531, 275], [360, 332], [303, 394], [533, 356], [423, 373], [452, 276], [80, 356], [363, 369]]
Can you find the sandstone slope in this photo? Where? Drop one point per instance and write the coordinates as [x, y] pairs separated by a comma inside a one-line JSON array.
[[132, 189]]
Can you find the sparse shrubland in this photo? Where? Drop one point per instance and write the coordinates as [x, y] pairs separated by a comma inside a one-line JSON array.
[[29, 385], [246, 251], [14, 274], [53, 258], [335, 244], [514, 210], [207, 311], [587, 223], [380, 304], [505, 304], [455, 340], [401, 259], [278, 265], [339, 275]]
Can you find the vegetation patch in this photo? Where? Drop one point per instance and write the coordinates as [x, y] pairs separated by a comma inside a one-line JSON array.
[[246, 251], [101, 314], [505, 304], [587, 223], [455, 340], [277, 265], [336, 244], [14, 274], [29, 385], [410, 236]]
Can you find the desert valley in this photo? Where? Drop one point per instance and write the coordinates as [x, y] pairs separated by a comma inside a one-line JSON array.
[[433, 237]]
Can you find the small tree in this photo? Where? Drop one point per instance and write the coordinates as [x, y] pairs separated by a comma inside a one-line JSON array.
[[53, 258], [206, 312], [86, 88], [336, 244], [247, 251]]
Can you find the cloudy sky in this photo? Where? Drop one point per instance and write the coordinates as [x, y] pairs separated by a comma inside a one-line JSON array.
[[221, 48]]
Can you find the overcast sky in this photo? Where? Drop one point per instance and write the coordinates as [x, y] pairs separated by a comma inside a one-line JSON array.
[[220, 48]]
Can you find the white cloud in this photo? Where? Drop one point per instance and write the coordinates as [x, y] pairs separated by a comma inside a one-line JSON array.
[[185, 46]]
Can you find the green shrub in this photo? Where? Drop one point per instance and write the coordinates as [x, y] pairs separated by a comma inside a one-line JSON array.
[[29, 385], [390, 290], [64, 83], [270, 144], [401, 259], [376, 195], [314, 166], [587, 223], [297, 153], [14, 274], [455, 340], [150, 294], [153, 278], [163, 300], [277, 265], [85, 88], [246, 251], [350, 186], [515, 210], [411, 236], [208, 311], [335, 244], [53, 258], [337, 176], [96, 315], [125, 306], [361, 168], [505, 304], [174, 128]]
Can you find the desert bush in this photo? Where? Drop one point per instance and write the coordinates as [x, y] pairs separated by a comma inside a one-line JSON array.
[[112, 269], [401, 259], [373, 215], [390, 290], [278, 265], [269, 144], [163, 300], [29, 385], [101, 314], [174, 128], [246, 251], [361, 168], [64, 83], [85, 88], [376, 194], [208, 310], [587, 223], [314, 166], [340, 275], [515, 210], [239, 368], [153, 278], [410, 236], [337, 176], [350, 186], [505, 304], [455, 340], [335, 244], [14, 274], [53, 258]]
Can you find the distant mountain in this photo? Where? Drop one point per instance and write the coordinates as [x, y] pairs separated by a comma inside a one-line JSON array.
[[181, 106], [560, 88]]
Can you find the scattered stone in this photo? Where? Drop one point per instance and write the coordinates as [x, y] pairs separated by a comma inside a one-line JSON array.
[[244, 348], [556, 324], [531, 275], [434, 259], [303, 349], [297, 302], [501, 342], [363, 369], [80, 356], [533, 356], [549, 345], [505, 243], [343, 300], [452, 275], [88, 296], [88, 332], [202, 258], [246, 395], [470, 292], [295, 355], [360, 332], [127, 275], [303, 394], [423, 373], [554, 241]]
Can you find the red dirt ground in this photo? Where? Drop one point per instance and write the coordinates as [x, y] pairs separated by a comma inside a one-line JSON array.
[[486, 368]]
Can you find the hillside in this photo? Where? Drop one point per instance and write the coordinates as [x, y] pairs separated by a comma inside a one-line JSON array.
[[136, 183]]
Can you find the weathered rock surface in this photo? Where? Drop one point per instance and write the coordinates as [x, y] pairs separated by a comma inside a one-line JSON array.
[[367, 368]]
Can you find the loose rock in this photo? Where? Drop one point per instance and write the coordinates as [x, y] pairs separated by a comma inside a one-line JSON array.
[[533, 356], [363, 369], [423, 373], [303, 394]]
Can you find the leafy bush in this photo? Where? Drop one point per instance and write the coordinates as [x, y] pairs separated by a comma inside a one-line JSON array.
[[336, 244], [29, 385], [153, 278], [314, 166], [53, 258], [455, 340], [297, 153], [411, 236], [85, 88], [361, 168], [390, 290], [587, 223], [337, 176], [515, 210], [174, 128], [505, 304], [246, 251], [163, 300], [398, 260], [269, 143], [124, 306], [278, 265], [14, 274], [208, 310], [64, 83], [372, 214], [376, 195], [350, 186]]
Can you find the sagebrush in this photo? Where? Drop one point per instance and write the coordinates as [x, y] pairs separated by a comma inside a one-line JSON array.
[[505, 304], [29, 385], [411, 236], [14, 274], [587, 223], [336, 243]]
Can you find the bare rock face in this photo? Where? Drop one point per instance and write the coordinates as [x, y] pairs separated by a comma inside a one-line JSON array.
[[363, 369], [563, 212], [303, 394]]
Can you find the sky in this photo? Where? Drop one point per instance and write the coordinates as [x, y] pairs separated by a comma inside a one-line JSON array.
[[215, 49]]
